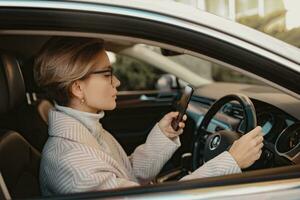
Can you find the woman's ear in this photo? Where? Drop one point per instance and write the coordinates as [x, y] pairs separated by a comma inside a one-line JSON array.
[[77, 89]]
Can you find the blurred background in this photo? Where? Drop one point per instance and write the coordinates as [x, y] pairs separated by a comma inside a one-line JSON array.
[[278, 18]]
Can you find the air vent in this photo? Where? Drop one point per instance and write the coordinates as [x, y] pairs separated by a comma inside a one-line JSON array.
[[233, 110], [205, 102]]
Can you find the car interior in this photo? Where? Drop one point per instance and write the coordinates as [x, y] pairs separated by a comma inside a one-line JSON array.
[[24, 108]]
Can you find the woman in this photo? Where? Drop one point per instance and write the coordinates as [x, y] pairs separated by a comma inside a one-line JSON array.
[[80, 155]]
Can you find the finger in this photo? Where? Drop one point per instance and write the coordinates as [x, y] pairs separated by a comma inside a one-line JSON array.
[[258, 154], [255, 132], [171, 130], [184, 117], [180, 131], [257, 148], [177, 133], [170, 116], [181, 124], [259, 140], [260, 145]]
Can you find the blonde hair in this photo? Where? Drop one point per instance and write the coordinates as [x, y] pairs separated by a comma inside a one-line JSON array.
[[63, 60]]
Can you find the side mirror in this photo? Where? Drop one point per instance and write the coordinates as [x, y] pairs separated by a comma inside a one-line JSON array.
[[167, 82]]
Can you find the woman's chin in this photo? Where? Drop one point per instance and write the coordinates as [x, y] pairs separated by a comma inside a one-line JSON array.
[[112, 107]]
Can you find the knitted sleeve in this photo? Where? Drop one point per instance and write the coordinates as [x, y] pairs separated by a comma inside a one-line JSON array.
[[148, 159], [223, 164]]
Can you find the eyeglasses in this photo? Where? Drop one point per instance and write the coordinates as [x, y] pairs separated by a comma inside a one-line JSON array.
[[107, 73]]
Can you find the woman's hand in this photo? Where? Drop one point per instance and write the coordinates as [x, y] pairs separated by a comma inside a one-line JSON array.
[[165, 125], [247, 149]]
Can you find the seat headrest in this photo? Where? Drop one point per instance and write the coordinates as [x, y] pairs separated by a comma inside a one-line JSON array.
[[12, 86]]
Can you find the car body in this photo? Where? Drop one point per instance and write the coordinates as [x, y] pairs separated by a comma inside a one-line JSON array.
[[124, 26]]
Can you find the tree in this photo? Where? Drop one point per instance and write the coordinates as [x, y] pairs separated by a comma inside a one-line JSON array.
[[135, 75]]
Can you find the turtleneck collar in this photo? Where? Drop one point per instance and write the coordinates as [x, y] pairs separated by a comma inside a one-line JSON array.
[[89, 120]]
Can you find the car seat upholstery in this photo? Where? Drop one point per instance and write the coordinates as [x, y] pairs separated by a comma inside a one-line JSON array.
[[19, 164], [29, 116], [33, 123], [12, 84]]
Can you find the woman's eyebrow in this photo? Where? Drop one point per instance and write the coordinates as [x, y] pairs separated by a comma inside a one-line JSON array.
[[104, 68]]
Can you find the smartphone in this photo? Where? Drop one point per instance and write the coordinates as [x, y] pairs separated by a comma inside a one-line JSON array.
[[181, 106]]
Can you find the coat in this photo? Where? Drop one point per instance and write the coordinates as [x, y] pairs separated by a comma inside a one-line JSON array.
[[81, 156]]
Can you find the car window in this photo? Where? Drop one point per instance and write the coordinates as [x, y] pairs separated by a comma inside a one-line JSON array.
[[208, 71], [135, 74], [141, 71]]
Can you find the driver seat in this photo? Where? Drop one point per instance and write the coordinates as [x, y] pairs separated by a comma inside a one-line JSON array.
[[20, 161]]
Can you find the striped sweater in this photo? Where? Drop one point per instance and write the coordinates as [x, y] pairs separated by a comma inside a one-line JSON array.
[[80, 155]]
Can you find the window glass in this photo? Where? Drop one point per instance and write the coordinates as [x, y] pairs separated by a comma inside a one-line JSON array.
[[212, 71], [135, 74], [141, 71]]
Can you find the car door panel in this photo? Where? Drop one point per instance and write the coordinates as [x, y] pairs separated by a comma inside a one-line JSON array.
[[136, 114]]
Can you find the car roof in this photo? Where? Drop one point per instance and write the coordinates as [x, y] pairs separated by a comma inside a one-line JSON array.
[[181, 12]]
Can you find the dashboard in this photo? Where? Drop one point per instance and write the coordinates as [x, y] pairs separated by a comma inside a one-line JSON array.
[[272, 120], [280, 126]]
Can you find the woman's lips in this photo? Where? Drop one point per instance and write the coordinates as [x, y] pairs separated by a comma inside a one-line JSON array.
[[115, 95]]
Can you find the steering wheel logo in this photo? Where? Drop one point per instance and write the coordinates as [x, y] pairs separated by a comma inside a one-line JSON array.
[[214, 142]]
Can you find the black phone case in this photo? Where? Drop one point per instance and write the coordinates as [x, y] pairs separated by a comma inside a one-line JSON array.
[[182, 109]]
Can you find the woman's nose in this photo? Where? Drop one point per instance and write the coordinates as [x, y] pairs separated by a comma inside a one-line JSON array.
[[116, 82]]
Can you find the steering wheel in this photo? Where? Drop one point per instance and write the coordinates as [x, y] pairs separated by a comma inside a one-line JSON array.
[[216, 143]]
